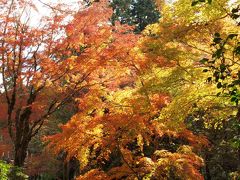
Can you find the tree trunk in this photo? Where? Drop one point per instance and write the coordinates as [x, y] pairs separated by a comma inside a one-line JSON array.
[[66, 170], [238, 121], [20, 154], [22, 138], [208, 174]]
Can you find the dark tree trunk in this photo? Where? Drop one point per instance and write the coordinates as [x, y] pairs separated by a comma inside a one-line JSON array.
[[207, 169], [238, 121], [23, 138], [20, 154], [66, 171]]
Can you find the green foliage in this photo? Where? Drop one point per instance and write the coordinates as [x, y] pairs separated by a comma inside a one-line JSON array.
[[222, 158], [4, 170], [190, 89], [224, 65], [235, 13], [7, 171], [195, 2], [135, 12], [155, 128]]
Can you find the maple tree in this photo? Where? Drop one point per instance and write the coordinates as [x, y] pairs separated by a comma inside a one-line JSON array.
[[40, 70], [204, 108], [132, 105], [116, 133], [28, 73]]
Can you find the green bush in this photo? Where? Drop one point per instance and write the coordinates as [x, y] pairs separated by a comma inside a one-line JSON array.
[[8, 171]]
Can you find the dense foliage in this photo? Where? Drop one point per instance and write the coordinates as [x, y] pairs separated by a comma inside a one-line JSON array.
[[6, 172], [141, 98], [135, 12]]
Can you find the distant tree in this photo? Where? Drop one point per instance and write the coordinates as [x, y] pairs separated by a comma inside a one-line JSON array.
[[135, 12]]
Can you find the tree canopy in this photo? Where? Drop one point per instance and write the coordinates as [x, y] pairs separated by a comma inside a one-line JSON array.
[[145, 97], [135, 12]]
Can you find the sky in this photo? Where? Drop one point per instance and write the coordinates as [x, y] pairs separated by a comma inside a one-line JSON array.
[[43, 10]]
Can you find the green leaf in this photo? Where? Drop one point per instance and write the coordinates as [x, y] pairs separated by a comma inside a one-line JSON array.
[[219, 85], [194, 3], [204, 60], [217, 34], [231, 36], [237, 50], [224, 85], [235, 10], [222, 67], [236, 82], [217, 54], [209, 1], [233, 99], [235, 16], [209, 79], [217, 40]]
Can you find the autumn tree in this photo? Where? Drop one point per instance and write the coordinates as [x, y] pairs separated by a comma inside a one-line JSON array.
[[142, 129], [185, 36], [29, 70], [224, 73], [144, 105], [117, 132], [43, 67], [122, 140]]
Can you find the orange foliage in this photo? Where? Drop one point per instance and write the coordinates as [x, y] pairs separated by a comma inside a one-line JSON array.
[[41, 163], [94, 137], [104, 128], [94, 174], [91, 63], [48, 66]]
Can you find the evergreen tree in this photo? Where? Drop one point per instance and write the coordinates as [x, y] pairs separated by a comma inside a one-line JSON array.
[[135, 12]]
